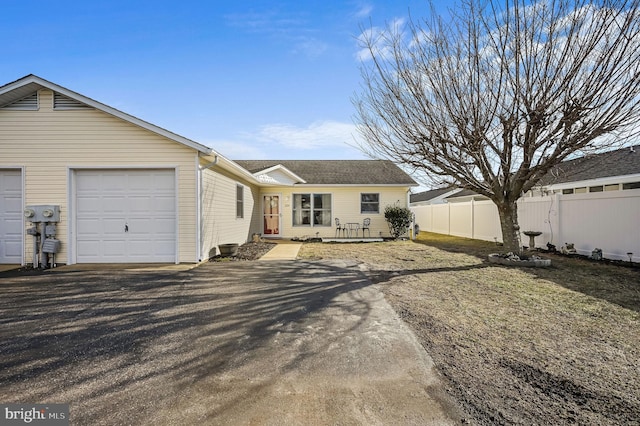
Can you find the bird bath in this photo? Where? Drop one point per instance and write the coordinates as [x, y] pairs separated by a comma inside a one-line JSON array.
[[532, 238]]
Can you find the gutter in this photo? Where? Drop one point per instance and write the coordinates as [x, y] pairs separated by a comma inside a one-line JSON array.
[[199, 203]]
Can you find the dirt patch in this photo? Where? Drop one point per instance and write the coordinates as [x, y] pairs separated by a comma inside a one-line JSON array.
[[557, 345]]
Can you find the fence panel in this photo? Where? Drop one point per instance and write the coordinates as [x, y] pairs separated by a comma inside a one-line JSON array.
[[606, 220], [486, 222], [539, 214], [423, 217], [440, 218], [461, 219]]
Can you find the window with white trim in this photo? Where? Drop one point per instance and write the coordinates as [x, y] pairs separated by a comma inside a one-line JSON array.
[[370, 203], [239, 201], [311, 209]]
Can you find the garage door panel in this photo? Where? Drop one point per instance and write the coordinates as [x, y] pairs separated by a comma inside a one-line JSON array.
[[11, 222], [164, 182], [114, 205], [13, 250], [142, 183], [13, 204], [141, 205], [87, 227], [88, 204], [143, 200], [164, 226], [113, 227], [113, 248], [165, 204], [90, 249]]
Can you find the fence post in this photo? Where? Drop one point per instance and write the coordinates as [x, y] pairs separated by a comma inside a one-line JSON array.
[[555, 222], [473, 232]]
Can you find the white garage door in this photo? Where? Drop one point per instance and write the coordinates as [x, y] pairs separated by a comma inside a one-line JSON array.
[[125, 216], [10, 216]]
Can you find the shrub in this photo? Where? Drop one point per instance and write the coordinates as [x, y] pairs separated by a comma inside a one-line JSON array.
[[399, 220]]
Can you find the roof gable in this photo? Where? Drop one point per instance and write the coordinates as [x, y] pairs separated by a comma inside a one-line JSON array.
[[337, 172], [27, 86], [278, 175]]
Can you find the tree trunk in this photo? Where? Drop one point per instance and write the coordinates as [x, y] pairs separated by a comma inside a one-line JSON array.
[[508, 212]]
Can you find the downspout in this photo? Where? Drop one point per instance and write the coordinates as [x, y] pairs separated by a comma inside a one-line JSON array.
[[199, 204]]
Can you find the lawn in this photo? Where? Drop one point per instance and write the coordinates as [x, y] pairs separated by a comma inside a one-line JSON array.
[[558, 345]]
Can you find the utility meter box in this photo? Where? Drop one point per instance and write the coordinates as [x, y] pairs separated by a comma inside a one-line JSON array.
[[51, 245], [44, 213]]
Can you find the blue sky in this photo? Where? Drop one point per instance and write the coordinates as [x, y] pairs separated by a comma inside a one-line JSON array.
[[251, 79]]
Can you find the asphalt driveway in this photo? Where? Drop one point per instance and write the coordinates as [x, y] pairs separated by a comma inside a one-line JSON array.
[[283, 342]]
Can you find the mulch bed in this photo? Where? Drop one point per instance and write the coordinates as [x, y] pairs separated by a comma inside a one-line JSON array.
[[248, 251]]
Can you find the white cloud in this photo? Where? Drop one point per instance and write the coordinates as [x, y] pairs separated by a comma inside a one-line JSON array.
[[266, 22], [377, 38], [310, 47], [321, 134], [364, 11], [320, 140], [293, 28]]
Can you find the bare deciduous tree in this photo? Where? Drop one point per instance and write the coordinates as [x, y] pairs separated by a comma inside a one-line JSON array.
[[494, 97]]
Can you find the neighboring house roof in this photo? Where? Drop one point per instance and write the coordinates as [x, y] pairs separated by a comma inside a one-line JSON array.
[[466, 194], [30, 84], [337, 172], [621, 162], [430, 194]]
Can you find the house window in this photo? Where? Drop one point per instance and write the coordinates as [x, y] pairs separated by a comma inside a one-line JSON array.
[[369, 203], [308, 206], [239, 201], [631, 185]]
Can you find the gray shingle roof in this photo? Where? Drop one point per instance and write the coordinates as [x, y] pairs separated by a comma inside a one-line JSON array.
[[621, 162], [429, 195], [337, 172]]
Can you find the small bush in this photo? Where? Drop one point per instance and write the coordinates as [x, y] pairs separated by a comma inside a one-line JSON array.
[[399, 220]]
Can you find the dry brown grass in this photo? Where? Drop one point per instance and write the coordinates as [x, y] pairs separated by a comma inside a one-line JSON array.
[[557, 345]]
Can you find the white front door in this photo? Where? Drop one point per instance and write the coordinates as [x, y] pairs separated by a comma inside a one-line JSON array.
[[11, 232], [271, 215], [125, 216]]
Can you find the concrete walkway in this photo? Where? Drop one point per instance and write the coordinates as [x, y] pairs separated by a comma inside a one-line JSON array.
[[283, 251], [5, 268]]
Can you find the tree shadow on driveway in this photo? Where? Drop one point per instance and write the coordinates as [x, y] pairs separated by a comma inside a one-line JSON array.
[[132, 347]]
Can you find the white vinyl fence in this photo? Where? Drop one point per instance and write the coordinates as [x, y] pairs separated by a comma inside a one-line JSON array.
[[606, 220]]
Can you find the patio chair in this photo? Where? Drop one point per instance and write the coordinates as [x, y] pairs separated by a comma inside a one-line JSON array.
[[365, 225], [339, 228]]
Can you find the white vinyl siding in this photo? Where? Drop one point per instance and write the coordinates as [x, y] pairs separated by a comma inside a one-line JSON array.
[[219, 224], [345, 205], [50, 144]]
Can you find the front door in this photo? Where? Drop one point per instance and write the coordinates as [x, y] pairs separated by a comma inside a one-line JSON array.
[[271, 210]]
